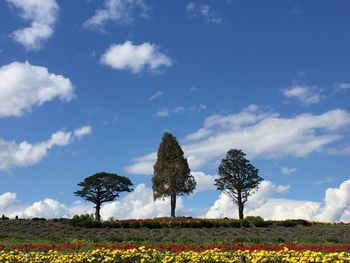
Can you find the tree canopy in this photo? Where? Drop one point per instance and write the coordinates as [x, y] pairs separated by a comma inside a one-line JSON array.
[[237, 178], [101, 188], [172, 175]]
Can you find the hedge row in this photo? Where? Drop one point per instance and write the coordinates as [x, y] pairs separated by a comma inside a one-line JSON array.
[[88, 221]]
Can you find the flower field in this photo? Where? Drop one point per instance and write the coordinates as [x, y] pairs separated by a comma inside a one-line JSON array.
[[172, 253]]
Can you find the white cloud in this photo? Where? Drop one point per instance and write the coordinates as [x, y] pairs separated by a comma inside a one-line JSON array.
[[194, 108], [287, 170], [136, 58], [342, 86], [83, 131], [117, 11], [140, 204], [6, 200], [259, 134], [42, 14], [179, 109], [337, 200], [163, 112], [335, 207], [47, 208], [203, 11], [204, 181], [23, 154], [137, 204], [143, 165], [156, 95], [224, 206], [199, 108], [305, 94], [23, 86], [326, 180]]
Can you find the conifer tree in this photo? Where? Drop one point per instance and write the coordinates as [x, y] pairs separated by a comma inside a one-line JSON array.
[[237, 178], [171, 176]]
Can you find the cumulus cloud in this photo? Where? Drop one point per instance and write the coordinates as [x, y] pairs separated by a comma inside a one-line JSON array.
[[156, 95], [140, 204], [47, 208], [23, 154], [204, 181], [42, 14], [204, 11], [137, 204], [259, 134], [337, 200], [224, 206], [117, 11], [287, 170], [334, 207], [305, 94], [6, 200], [136, 58], [23, 86]]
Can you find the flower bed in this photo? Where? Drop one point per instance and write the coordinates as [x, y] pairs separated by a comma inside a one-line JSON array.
[[172, 253]]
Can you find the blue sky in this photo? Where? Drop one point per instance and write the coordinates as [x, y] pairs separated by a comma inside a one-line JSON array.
[[90, 86]]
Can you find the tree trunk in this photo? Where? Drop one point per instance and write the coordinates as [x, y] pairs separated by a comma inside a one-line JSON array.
[[97, 212], [173, 204], [240, 205], [240, 210]]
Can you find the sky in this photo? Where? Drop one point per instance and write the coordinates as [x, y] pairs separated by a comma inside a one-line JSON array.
[[90, 86]]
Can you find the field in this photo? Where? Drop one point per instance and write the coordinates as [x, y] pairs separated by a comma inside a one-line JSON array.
[[52, 241]]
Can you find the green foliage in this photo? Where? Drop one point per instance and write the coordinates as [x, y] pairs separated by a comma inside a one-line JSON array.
[[258, 221], [3, 217], [237, 178], [171, 176], [292, 223], [103, 187], [84, 220], [38, 219], [245, 223]]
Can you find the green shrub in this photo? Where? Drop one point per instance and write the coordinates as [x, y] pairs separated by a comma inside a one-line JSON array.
[[85, 220], [36, 219], [4, 217], [257, 221], [254, 218], [293, 222], [234, 223], [286, 223], [245, 223]]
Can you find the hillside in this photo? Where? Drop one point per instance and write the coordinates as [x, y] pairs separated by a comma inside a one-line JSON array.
[[60, 232]]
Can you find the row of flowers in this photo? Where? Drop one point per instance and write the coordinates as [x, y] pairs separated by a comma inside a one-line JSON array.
[[144, 254], [173, 247]]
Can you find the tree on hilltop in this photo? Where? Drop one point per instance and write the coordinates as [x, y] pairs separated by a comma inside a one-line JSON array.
[[237, 178], [101, 188], [172, 175]]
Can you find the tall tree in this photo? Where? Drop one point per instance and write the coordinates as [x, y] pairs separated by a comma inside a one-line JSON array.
[[237, 178], [101, 188], [171, 176]]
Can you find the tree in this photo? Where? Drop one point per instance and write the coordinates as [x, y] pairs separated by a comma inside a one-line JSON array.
[[237, 178], [171, 176], [101, 188]]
